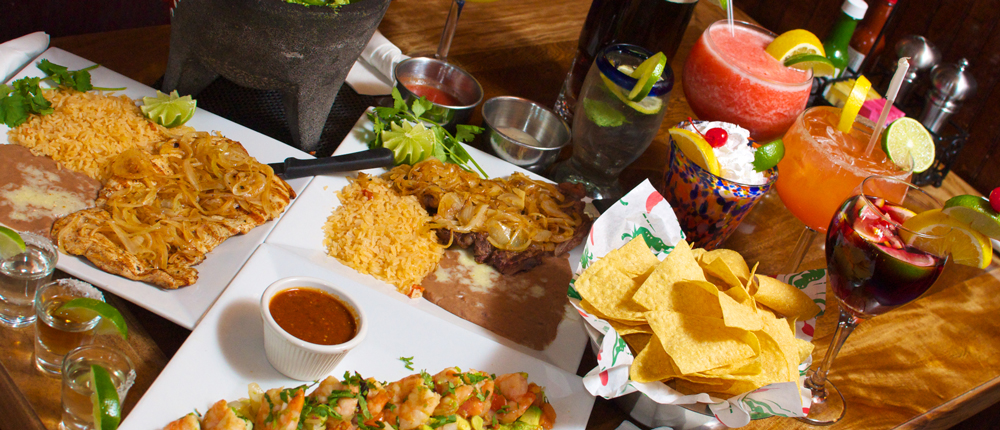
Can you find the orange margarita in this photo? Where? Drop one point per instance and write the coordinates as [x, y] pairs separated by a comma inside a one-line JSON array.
[[823, 166]]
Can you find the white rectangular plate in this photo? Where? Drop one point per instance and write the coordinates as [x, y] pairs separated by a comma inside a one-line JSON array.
[[301, 231], [226, 351], [184, 306]]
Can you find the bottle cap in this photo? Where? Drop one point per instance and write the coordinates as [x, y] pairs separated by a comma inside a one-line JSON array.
[[855, 8]]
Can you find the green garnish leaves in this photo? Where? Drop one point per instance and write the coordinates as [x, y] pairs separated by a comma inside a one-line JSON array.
[[407, 362], [446, 147], [24, 96], [436, 422]]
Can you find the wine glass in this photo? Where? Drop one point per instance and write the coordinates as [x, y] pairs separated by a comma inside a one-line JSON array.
[[873, 268], [822, 166]]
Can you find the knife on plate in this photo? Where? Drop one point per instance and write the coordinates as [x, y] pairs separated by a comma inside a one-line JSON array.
[[293, 168]]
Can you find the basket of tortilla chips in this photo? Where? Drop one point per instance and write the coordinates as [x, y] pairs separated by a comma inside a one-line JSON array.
[[688, 326]]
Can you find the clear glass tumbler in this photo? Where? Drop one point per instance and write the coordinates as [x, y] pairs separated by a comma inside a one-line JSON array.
[[77, 408], [56, 334], [609, 130], [21, 275]]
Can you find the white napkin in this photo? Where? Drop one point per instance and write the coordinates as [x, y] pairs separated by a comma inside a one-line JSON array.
[[17, 53], [372, 73]]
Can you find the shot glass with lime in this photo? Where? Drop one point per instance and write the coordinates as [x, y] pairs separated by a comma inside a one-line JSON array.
[[70, 313], [95, 380], [27, 261], [620, 109]]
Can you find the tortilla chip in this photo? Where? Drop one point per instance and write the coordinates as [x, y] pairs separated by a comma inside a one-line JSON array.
[[626, 329], [728, 258], [679, 265], [785, 299], [638, 341], [652, 364], [805, 349], [609, 283], [777, 330], [751, 284], [738, 315], [720, 269], [698, 343]]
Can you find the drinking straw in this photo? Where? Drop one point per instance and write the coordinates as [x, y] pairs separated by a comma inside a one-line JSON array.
[[729, 16], [890, 97]]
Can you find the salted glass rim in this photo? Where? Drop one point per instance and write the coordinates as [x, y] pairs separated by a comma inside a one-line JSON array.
[[729, 60]]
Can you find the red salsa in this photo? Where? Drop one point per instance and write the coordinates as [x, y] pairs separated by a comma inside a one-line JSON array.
[[314, 316], [432, 93]]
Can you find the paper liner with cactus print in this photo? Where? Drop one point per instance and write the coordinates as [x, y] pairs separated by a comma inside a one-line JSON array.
[[643, 211]]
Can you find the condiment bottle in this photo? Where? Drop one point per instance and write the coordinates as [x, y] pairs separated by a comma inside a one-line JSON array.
[[836, 43], [863, 42], [950, 85]]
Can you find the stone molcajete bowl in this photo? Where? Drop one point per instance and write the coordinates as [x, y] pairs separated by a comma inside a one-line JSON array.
[[303, 52]]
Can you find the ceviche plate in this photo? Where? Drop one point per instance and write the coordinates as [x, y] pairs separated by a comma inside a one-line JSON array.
[[301, 231], [225, 352], [184, 306]]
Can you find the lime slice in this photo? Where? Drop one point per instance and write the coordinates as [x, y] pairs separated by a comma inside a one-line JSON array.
[[85, 308], [820, 65], [11, 243], [976, 212], [793, 43], [648, 73], [966, 246], [410, 143], [648, 105], [168, 110], [602, 114], [905, 138], [107, 408], [853, 104], [696, 149], [768, 156]]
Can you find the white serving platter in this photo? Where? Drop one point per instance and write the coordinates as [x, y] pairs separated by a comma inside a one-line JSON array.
[[225, 352], [300, 231], [184, 306]]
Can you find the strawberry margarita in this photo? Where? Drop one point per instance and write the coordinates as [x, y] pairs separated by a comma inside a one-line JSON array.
[[733, 79]]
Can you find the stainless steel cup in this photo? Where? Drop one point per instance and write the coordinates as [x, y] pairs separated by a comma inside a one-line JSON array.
[[524, 133], [441, 76]]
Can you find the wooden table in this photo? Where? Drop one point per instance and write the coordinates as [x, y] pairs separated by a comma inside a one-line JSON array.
[[930, 364]]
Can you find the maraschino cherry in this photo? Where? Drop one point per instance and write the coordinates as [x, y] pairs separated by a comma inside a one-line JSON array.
[[995, 199], [716, 137]]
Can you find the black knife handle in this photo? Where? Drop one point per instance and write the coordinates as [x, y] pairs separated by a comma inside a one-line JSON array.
[[372, 158]]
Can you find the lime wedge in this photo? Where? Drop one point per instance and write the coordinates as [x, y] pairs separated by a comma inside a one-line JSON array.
[[602, 114], [696, 149], [820, 65], [11, 243], [648, 105], [793, 43], [410, 143], [905, 138], [648, 73], [107, 407], [168, 110], [768, 156], [85, 308], [975, 211], [853, 104]]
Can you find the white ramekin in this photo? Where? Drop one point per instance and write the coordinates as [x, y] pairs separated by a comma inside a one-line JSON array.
[[294, 357]]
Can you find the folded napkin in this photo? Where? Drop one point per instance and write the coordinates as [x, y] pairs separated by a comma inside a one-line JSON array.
[[372, 73], [17, 53]]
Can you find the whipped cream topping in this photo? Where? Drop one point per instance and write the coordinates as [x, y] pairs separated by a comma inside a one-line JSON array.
[[736, 156]]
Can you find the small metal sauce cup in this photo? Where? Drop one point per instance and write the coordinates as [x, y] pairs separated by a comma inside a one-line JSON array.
[[444, 76], [512, 123]]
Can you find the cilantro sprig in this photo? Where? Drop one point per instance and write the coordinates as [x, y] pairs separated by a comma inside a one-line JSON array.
[[447, 147], [407, 362], [24, 96]]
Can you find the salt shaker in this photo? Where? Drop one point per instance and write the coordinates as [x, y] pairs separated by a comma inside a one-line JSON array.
[[950, 85], [923, 56]]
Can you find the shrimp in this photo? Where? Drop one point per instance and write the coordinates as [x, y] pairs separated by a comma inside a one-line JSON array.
[[376, 399], [514, 397], [188, 422], [221, 417], [414, 402], [482, 396], [274, 414], [346, 406], [453, 389]]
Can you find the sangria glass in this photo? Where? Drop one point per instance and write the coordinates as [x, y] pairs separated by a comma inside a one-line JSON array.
[[873, 268]]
